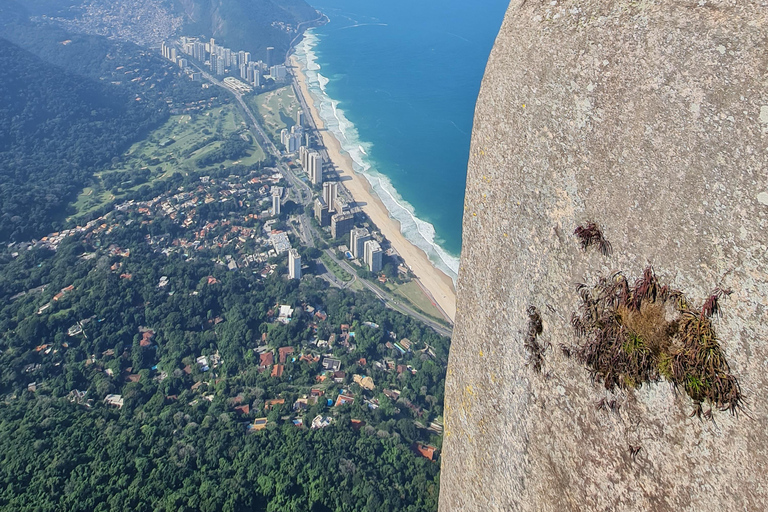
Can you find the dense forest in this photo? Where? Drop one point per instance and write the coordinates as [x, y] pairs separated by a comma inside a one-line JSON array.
[[73, 320], [55, 129], [175, 458]]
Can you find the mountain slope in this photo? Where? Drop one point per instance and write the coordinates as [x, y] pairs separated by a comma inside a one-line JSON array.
[[55, 129]]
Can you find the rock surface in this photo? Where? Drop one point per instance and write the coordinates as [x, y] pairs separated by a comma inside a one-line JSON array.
[[651, 119]]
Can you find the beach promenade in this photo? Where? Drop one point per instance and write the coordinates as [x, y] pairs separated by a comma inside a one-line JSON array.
[[436, 283]]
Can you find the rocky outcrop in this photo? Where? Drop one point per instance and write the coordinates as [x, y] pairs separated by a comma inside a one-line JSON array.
[[650, 119]]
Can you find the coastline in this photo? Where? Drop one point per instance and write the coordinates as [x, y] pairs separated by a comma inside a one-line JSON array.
[[438, 284]]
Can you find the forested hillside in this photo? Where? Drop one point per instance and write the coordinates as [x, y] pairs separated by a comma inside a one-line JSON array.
[[126, 308], [55, 129]]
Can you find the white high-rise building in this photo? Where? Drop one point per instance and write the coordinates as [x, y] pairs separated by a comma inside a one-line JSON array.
[[291, 140], [303, 160], [357, 239], [330, 192], [300, 119], [276, 204], [278, 72], [373, 255], [315, 167], [294, 264]]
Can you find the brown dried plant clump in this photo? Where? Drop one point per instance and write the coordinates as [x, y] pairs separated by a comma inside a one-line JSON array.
[[591, 235], [641, 333], [535, 351]]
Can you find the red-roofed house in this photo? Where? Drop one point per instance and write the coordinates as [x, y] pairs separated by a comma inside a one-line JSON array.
[[269, 404], [344, 400], [146, 339], [267, 359], [425, 451], [357, 424], [243, 409], [283, 353], [277, 370]]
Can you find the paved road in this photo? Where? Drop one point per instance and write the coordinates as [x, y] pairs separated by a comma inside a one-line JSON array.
[[390, 301]]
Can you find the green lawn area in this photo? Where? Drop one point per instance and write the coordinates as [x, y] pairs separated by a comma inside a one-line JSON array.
[[194, 136], [334, 268], [278, 109], [413, 293]]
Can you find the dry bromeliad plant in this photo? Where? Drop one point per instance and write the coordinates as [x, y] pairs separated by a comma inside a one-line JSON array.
[[535, 351], [591, 235], [642, 332]]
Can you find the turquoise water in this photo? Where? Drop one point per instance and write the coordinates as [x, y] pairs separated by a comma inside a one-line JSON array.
[[396, 82]]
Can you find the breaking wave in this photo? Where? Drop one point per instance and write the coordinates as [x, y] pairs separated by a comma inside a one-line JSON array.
[[418, 231]]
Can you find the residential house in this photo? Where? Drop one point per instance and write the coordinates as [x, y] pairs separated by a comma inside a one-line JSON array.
[[270, 404], [344, 400], [321, 422], [331, 364], [266, 359], [258, 424], [284, 352], [426, 451], [114, 400], [243, 409]]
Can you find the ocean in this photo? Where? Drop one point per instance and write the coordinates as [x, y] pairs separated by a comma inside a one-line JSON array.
[[396, 82]]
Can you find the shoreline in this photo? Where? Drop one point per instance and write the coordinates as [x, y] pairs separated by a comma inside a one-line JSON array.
[[438, 284]]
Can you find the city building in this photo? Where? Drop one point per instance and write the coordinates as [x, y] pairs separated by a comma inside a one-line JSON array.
[[330, 192], [315, 167], [294, 264], [303, 157], [300, 120], [276, 204], [280, 242], [373, 255], [278, 72], [357, 239], [270, 56], [220, 62], [341, 224], [322, 214], [340, 205], [290, 139]]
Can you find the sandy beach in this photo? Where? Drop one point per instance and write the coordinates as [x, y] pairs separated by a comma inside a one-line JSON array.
[[437, 283]]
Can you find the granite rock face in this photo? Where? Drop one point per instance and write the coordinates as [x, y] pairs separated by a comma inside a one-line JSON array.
[[649, 118]]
